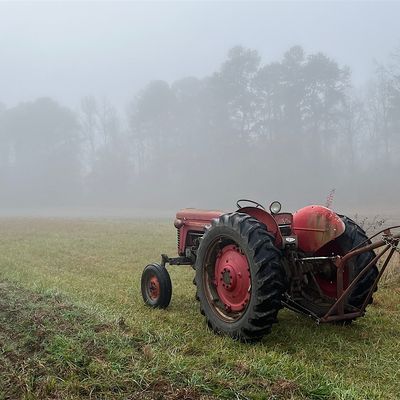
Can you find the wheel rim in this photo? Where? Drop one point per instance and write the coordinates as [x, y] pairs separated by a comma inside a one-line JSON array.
[[227, 280], [329, 287], [153, 288]]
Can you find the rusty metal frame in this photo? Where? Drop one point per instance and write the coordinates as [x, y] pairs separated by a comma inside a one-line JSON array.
[[389, 241]]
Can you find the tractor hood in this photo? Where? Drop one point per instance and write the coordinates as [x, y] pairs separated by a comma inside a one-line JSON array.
[[315, 226]]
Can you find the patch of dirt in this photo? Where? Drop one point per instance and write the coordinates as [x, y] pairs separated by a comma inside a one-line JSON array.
[[283, 387], [148, 352], [241, 367]]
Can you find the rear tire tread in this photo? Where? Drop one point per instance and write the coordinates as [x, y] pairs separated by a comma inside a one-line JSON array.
[[356, 236]]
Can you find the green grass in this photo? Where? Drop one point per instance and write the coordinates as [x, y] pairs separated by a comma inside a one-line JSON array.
[[62, 279]]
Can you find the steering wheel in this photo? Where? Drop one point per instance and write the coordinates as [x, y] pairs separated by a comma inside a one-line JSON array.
[[249, 201]]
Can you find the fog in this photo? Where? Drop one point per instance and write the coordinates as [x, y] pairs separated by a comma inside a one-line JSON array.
[[131, 108]]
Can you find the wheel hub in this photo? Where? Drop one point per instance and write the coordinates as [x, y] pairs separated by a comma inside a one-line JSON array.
[[232, 278], [228, 278], [154, 288]]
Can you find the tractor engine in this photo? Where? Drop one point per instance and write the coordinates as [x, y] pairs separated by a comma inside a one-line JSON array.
[[191, 225]]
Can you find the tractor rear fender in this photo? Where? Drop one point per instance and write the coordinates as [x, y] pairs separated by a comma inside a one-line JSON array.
[[267, 219], [315, 226]]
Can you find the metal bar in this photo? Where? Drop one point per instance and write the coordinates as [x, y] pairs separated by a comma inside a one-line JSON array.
[[377, 234], [294, 306], [358, 277], [180, 261], [342, 263], [311, 229], [339, 287], [175, 260], [385, 264], [342, 317], [316, 258], [364, 249], [317, 286]]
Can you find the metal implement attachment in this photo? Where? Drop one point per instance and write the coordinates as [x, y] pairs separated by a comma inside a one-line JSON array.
[[388, 242]]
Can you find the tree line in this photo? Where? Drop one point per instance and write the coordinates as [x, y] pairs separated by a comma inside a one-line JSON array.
[[291, 129]]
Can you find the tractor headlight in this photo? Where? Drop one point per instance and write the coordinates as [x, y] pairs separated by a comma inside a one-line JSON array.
[[178, 223], [275, 207]]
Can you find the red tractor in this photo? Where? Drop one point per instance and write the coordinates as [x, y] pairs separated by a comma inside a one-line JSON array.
[[250, 263]]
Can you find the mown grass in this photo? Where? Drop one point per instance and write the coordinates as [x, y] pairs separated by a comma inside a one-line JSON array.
[[94, 267]]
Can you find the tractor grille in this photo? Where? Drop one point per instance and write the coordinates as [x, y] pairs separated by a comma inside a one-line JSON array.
[[178, 237]]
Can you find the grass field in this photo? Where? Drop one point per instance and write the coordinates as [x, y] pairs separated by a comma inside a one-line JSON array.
[[73, 325]]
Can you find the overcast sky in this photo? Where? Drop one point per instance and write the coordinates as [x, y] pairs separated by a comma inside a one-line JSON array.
[[70, 49]]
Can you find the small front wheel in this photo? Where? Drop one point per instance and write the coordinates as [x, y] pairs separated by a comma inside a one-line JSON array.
[[156, 286]]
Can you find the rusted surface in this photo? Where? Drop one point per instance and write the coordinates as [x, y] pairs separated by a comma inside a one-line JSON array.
[[315, 226]]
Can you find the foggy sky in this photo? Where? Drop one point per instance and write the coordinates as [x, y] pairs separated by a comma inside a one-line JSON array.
[[67, 50]]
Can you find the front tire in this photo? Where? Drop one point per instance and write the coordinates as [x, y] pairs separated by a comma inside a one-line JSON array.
[[239, 278], [156, 286]]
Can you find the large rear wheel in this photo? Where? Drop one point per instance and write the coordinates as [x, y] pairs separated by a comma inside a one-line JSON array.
[[239, 277]]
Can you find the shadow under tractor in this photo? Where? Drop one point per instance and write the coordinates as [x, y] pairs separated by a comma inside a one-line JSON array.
[[250, 263]]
